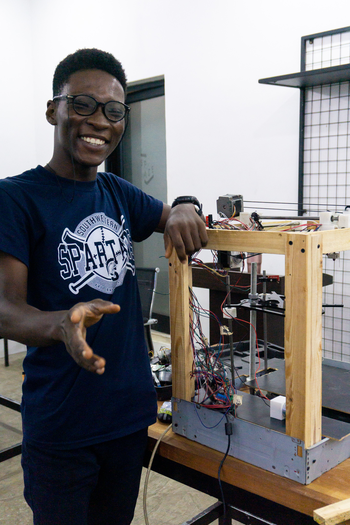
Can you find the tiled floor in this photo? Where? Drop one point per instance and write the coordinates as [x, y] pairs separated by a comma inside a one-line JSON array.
[[168, 502]]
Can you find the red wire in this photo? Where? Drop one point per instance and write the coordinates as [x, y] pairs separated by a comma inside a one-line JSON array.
[[242, 320], [300, 226]]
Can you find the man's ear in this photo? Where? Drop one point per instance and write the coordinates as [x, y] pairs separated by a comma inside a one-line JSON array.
[[51, 112]]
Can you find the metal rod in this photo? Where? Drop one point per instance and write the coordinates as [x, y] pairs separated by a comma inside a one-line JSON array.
[[265, 323], [252, 338], [291, 218], [230, 324]]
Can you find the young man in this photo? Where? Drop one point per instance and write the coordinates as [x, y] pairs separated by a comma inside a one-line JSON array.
[[68, 290]]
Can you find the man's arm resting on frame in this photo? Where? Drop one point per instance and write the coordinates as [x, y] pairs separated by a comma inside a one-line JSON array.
[[28, 325], [183, 229]]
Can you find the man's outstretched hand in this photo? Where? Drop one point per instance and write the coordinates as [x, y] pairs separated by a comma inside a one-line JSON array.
[[74, 325]]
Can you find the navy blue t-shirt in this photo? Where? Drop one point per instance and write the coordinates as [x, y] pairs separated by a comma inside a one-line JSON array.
[[76, 240]]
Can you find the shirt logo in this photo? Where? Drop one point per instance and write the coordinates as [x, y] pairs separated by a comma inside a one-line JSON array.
[[98, 254]]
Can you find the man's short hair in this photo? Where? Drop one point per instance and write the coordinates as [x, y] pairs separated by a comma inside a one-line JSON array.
[[84, 59]]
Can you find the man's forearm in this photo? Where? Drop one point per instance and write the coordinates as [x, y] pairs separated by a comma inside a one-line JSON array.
[[28, 325]]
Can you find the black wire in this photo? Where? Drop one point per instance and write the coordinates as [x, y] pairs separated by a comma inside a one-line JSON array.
[[267, 404], [250, 255], [220, 467]]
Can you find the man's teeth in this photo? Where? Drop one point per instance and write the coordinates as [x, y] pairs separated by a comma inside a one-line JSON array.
[[92, 140]]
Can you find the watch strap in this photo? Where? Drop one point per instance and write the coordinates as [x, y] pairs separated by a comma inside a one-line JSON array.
[[188, 199]]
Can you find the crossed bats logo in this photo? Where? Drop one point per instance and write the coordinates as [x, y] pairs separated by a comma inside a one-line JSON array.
[[98, 254]]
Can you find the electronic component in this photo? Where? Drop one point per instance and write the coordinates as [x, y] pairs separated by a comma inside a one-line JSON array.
[[278, 407], [237, 400], [229, 312], [224, 259], [229, 205], [331, 221], [224, 330], [228, 260], [344, 220]]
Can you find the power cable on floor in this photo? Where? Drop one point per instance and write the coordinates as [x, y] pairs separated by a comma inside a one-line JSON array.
[[149, 472]]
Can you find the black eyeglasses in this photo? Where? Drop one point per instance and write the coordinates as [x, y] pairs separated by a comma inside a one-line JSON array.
[[85, 106]]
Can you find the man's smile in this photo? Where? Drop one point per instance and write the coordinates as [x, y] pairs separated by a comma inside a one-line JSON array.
[[93, 140]]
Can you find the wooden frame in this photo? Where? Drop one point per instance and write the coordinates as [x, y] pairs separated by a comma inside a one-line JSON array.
[[303, 317]]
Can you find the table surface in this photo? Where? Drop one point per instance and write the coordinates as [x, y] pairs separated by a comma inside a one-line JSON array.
[[331, 487]]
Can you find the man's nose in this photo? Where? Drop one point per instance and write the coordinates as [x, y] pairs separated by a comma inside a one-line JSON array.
[[98, 118]]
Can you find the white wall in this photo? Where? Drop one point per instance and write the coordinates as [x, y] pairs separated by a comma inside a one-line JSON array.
[[225, 132], [17, 129]]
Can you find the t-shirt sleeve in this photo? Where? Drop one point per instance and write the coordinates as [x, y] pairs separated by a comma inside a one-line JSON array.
[[144, 211], [14, 237]]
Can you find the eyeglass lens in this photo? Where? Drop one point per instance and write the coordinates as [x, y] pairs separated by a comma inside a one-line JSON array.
[[85, 105]]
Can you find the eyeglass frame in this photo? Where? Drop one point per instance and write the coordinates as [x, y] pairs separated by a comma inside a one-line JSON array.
[[72, 97]]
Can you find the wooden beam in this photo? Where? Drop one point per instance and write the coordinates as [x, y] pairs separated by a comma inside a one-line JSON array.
[[180, 279], [336, 240], [303, 336], [246, 241], [272, 242], [333, 514]]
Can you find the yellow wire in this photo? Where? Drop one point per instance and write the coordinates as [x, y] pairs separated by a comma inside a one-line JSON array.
[[211, 269]]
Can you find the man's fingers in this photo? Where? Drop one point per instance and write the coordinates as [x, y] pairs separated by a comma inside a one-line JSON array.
[[203, 235], [185, 244], [180, 249], [87, 353], [185, 231], [168, 245], [91, 361], [77, 315], [101, 309], [92, 310], [98, 365], [82, 316]]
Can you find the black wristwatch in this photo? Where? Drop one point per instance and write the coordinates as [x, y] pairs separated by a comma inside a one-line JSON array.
[[187, 199]]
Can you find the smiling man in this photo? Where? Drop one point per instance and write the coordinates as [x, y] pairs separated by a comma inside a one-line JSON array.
[[92, 130], [68, 290]]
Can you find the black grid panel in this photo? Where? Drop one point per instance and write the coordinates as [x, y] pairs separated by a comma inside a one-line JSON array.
[[326, 163], [327, 51], [326, 186]]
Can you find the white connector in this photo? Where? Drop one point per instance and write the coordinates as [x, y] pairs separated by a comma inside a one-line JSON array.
[[229, 312], [237, 400], [344, 220], [244, 217], [326, 221], [278, 407]]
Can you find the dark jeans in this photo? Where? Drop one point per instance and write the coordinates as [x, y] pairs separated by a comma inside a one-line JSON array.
[[94, 485]]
